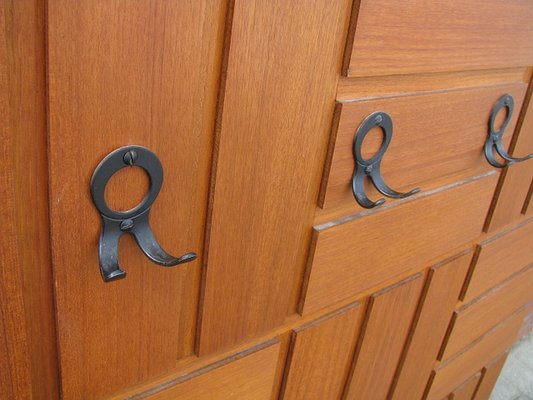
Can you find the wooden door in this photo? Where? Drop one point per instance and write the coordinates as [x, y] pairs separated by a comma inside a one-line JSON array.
[[129, 73]]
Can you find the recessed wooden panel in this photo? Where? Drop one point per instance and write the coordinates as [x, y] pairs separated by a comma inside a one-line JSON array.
[[144, 73], [428, 143], [405, 37], [516, 181], [467, 389], [491, 372], [247, 376], [453, 373], [321, 355], [472, 320], [499, 257], [439, 298], [369, 248], [283, 66], [389, 317]]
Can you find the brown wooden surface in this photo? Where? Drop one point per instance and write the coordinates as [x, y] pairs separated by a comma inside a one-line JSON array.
[[498, 257], [413, 37], [453, 373], [427, 144], [283, 65], [15, 376], [321, 354], [516, 180], [439, 298], [474, 319], [145, 74], [491, 372], [467, 389], [247, 376], [389, 316], [349, 257]]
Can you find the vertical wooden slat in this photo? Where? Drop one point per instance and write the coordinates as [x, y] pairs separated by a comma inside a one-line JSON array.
[[440, 297], [389, 317], [320, 356], [283, 65]]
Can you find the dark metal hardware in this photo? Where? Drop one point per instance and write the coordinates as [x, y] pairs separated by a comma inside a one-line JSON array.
[[494, 140], [134, 221], [372, 166]]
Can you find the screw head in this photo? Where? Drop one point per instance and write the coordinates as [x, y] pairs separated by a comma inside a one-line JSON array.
[[379, 119], [126, 225], [368, 169], [130, 157]]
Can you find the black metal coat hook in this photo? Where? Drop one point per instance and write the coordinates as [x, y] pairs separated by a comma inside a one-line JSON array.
[[135, 221], [372, 166], [494, 140]]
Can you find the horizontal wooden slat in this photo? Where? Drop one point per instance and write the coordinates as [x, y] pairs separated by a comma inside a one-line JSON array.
[[428, 142], [474, 319], [451, 374], [440, 296], [352, 255], [499, 257], [467, 389], [411, 36], [389, 317], [321, 355]]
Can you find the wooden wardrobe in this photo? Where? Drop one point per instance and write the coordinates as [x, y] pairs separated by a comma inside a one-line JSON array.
[[270, 128]]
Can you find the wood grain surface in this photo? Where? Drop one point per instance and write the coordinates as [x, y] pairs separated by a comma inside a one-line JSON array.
[[491, 372], [389, 317], [451, 374], [467, 390], [144, 73], [412, 37], [348, 255], [499, 257], [249, 376], [435, 135], [473, 320], [514, 188], [283, 65], [439, 298], [321, 355]]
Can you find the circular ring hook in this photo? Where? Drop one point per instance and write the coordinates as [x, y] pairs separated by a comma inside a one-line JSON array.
[[504, 101], [377, 119]]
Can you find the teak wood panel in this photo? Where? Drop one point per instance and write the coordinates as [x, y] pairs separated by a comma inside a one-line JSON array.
[[438, 301], [467, 390], [144, 73], [248, 377], [390, 37], [435, 135], [349, 257], [498, 257], [451, 374], [517, 180], [283, 65], [389, 316], [321, 355], [473, 320], [491, 372]]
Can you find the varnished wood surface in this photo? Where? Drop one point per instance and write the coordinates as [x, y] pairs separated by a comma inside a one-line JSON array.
[[467, 389], [498, 257], [435, 135], [15, 376], [249, 376], [321, 355], [412, 37], [439, 297], [283, 65], [491, 372], [473, 320], [515, 183], [451, 374], [389, 316], [145, 73], [347, 256]]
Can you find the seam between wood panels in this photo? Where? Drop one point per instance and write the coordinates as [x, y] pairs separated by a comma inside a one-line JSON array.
[[528, 198], [230, 6], [356, 5]]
